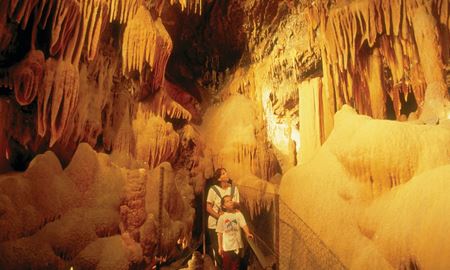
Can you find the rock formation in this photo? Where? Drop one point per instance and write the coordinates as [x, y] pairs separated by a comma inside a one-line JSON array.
[[114, 113]]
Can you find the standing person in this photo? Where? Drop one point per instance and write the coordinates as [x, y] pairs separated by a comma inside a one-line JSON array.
[[229, 234], [222, 187]]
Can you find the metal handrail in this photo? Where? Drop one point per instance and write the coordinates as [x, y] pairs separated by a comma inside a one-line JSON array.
[[264, 262]]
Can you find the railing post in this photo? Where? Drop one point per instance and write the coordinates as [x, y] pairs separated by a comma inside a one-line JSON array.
[[276, 215], [204, 215], [160, 214]]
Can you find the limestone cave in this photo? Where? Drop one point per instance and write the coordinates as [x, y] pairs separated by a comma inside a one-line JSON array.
[[331, 117]]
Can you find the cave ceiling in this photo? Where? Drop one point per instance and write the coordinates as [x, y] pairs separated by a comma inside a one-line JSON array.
[[51, 50], [82, 71]]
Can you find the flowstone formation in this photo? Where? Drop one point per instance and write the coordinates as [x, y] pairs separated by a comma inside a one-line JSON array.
[[92, 214], [375, 205]]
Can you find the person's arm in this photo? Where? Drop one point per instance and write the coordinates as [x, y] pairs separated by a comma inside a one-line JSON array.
[[220, 240], [219, 231], [209, 204], [236, 199], [210, 210], [244, 226], [247, 232], [236, 195]]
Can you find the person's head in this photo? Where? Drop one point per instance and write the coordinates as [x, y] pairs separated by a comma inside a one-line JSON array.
[[227, 203], [221, 175]]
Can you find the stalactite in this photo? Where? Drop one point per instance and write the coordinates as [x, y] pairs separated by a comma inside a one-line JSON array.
[[190, 5], [156, 141], [74, 26], [26, 77], [5, 111], [98, 16], [180, 96], [122, 10], [309, 118], [96, 84], [87, 30], [374, 78], [163, 105], [20, 11], [349, 30], [65, 19], [58, 98], [5, 32], [146, 42], [257, 195]]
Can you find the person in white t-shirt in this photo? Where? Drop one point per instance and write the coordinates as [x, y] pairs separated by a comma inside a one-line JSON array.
[[213, 201], [229, 234]]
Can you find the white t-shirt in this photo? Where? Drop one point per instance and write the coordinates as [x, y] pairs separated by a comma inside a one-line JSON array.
[[230, 225], [214, 199]]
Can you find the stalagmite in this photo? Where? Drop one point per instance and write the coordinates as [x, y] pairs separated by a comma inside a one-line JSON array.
[[132, 210], [176, 210]]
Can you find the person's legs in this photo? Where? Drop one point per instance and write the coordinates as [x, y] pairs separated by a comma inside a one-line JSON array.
[[210, 242], [226, 257], [231, 260], [245, 255], [236, 261], [214, 247]]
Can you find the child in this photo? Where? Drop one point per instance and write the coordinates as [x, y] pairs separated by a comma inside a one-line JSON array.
[[229, 234]]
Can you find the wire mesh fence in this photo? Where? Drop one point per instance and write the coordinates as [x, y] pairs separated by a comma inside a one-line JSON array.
[[299, 246], [281, 235]]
